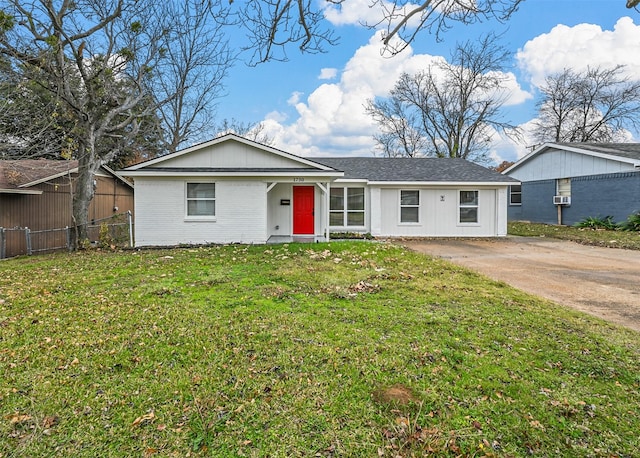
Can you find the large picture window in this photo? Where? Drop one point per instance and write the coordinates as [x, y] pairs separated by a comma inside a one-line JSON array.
[[201, 199], [468, 209], [346, 207], [409, 206]]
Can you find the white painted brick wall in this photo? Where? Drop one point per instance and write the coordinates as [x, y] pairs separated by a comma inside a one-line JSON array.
[[160, 213]]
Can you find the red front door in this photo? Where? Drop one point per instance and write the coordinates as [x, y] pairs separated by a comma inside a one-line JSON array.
[[303, 197]]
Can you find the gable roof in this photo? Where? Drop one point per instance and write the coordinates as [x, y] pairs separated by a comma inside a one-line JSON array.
[[419, 170], [303, 162], [622, 152], [17, 176]]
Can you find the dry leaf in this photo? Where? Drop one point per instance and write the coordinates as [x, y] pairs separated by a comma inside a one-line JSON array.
[[49, 422], [144, 418], [18, 418]]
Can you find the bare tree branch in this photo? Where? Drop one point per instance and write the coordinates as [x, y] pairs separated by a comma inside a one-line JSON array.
[[447, 110], [597, 105]]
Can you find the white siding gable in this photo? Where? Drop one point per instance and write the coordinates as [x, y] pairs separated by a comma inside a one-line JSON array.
[[230, 154], [555, 163]]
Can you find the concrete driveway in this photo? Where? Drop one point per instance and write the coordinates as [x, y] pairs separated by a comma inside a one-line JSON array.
[[604, 282]]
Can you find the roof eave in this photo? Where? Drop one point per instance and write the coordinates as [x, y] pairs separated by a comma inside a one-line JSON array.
[[443, 183], [573, 149], [235, 173], [21, 191], [47, 178]]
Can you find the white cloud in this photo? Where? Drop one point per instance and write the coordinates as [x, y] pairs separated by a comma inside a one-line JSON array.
[[295, 98], [353, 12], [581, 46], [275, 116], [328, 73], [332, 120]]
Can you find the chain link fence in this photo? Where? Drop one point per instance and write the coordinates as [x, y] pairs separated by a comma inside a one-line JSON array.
[[117, 230]]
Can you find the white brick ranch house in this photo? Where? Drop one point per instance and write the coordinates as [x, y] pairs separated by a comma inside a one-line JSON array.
[[233, 190]]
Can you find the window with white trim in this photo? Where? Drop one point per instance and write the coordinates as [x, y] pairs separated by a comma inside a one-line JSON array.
[[346, 207], [563, 187], [515, 194], [201, 199], [468, 207], [409, 206]]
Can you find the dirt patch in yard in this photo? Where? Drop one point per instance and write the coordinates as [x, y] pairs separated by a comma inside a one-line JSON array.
[[604, 282]]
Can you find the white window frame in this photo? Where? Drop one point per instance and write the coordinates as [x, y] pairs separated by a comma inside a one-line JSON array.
[[467, 205], [346, 210], [511, 203], [563, 187], [401, 206], [187, 199]]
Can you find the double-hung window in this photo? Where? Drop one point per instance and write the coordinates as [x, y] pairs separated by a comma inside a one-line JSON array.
[[409, 206], [468, 207], [563, 187], [201, 200], [515, 194], [346, 207]]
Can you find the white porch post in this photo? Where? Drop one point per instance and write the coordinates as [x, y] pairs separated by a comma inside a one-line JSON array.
[[325, 220], [327, 212]]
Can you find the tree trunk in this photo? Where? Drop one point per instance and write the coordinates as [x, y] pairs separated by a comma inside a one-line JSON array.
[[84, 191]]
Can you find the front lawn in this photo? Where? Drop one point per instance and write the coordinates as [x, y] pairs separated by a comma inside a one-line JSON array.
[[344, 349], [586, 236]]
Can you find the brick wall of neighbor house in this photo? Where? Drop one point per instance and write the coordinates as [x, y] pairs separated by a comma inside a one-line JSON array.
[[537, 203], [615, 194]]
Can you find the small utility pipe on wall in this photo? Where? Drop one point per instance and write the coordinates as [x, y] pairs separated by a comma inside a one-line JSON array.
[[559, 207]]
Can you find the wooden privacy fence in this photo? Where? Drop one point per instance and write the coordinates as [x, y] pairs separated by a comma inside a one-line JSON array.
[[115, 230]]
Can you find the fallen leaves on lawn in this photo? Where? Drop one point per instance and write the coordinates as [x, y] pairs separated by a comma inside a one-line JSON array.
[[18, 418], [363, 287], [148, 417]]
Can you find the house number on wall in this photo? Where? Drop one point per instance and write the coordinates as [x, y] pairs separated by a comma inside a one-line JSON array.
[[298, 180]]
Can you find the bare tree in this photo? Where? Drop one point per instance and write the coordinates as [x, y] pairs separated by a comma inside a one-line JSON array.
[[449, 109], [196, 62], [95, 57], [596, 105], [273, 25], [249, 130]]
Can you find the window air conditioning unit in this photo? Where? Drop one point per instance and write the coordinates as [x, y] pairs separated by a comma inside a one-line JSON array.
[[562, 200]]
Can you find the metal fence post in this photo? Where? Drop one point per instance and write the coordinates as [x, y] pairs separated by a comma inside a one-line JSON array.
[[130, 221], [3, 243], [27, 234]]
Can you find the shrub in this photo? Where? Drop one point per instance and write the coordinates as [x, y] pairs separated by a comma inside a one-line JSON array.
[[592, 222], [632, 223]]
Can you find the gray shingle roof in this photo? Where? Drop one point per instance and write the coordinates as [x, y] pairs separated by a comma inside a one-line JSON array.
[[413, 169], [626, 150]]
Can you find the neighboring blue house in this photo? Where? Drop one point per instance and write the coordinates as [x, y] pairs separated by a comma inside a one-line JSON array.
[[564, 183]]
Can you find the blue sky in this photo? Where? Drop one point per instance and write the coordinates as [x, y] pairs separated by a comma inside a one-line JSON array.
[[313, 104]]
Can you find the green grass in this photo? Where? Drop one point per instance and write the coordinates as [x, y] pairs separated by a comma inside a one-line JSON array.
[[586, 236], [298, 350]]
